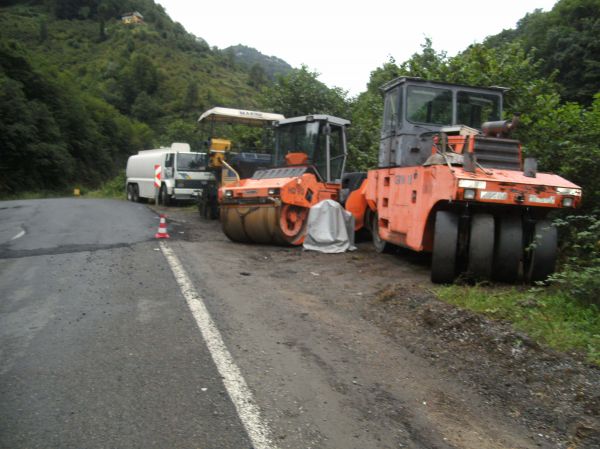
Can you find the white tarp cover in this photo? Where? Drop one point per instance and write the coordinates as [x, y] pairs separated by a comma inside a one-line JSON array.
[[330, 228]]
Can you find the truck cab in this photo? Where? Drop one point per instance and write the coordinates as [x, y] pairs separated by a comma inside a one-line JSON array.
[[185, 176]]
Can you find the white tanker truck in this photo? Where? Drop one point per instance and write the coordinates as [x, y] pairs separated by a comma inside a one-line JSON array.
[[183, 174]]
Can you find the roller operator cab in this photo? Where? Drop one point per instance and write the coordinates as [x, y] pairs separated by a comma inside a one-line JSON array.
[[272, 206], [451, 182]]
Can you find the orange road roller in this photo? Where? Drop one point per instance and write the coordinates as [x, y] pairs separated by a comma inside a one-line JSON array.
[[452, 182], [272, 206]]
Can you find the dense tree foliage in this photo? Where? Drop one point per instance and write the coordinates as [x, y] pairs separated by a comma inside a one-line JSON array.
[[90, 90], [565, 40], [52, 134], [269, 66], [301, 93]]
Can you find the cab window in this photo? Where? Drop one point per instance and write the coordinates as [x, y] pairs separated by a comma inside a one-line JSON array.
[[391, 112], [336, 152], [473, 109], [429, 105]]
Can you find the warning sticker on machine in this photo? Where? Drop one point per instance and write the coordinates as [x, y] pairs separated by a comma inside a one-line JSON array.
[[487, 195], [537, 199]]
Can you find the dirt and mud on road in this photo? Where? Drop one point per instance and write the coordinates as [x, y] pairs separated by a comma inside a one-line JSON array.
[[354, 350]]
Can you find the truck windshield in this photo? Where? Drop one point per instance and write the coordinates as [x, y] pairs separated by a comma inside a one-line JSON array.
[[191, 161]]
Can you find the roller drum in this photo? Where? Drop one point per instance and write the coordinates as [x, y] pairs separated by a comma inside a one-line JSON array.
[[268, 224]]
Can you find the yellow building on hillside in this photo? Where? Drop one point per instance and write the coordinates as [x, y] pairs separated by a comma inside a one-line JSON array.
[[132, 18]]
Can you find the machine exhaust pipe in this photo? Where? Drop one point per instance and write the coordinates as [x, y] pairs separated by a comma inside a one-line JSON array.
[[501, 128]]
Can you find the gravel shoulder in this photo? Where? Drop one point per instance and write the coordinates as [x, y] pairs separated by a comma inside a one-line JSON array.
[[354, 350]]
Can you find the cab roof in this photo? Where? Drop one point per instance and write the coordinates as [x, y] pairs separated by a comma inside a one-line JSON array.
[[239, 116], [413, 79], [316, 117]]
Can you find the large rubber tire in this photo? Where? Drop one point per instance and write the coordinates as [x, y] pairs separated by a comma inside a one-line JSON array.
[[129, 192], [380, 245], [136, 193], [163, 196], [509, 249], [481, 246], [541, 259], [445, 243]]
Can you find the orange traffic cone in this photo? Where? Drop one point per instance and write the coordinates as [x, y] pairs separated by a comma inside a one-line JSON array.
[[162, 228]]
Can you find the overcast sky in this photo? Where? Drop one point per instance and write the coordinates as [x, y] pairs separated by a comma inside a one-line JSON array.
[[344, 40]]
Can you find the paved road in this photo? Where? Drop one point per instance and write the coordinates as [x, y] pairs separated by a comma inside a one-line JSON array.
[[109, 339], [98, 348]]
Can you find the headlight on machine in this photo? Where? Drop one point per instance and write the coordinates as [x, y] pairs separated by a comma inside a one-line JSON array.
[[567, 202], [568, 191], [273, 191], [471, 184], [228, 193], [179, 183], [469, 194]]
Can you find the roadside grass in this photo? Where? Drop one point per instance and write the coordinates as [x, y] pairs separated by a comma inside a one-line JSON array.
[[547, 315], [113, 189], [37, 195]]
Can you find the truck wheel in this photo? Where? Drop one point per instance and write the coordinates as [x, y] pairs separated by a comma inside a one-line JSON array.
[[164, 197], [481, 246], [129, 192], [381, 246], [445, 243], [135, 190], [541, 258]]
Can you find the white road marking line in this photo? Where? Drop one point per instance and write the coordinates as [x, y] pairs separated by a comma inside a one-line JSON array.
[[234, 382], [19, 235]]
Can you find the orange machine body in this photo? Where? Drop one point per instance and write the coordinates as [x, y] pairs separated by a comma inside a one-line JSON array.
[[303, 191], [406, 199], [273, 210], [451, 181], [272, 205]]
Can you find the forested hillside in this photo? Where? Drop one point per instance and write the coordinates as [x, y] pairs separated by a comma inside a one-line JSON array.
[[262, 68], [81, 90], [566, 42]]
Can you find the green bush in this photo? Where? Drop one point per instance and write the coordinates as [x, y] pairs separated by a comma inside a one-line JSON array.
[[579, 274], [115, 188]]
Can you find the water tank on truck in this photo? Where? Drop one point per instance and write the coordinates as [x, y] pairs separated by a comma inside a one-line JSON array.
[[183, 174]]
